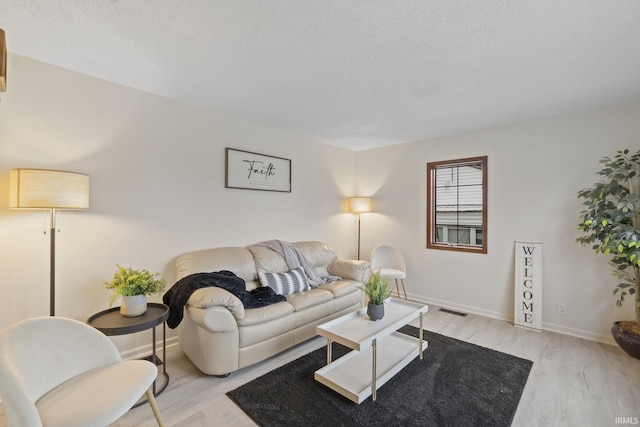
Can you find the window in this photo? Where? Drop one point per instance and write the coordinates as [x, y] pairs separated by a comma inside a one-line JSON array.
[[457, 205]]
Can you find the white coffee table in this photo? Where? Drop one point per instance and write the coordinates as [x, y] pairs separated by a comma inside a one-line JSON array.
[[379, 352]]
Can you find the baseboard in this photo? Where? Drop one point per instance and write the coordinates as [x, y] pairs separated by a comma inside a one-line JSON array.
[[146, 350], [579, 333], [546, 326]]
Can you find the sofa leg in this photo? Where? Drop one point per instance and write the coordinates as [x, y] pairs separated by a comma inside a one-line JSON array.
[[223, 375]]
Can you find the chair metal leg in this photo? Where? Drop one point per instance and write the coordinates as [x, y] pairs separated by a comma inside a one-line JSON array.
[[397, 288], [154, 406], [403, 289]]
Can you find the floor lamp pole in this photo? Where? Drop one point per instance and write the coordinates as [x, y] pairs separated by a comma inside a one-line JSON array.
[[52, 264], [359, 236]]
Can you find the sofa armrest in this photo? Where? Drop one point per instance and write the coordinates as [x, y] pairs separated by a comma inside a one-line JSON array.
[[213, 296], [349, 269]]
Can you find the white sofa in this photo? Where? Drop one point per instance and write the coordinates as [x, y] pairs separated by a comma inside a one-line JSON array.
[[219, 335]]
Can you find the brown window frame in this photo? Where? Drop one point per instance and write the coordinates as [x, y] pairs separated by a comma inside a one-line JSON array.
[[432, 167]]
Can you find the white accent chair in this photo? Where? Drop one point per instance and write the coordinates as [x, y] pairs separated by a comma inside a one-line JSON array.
[[59, 372], [388, 260]]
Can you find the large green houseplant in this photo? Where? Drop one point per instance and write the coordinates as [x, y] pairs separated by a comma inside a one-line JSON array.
[[610, 223], [129, 283]]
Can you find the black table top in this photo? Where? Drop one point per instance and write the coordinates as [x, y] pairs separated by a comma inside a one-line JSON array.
[[111, 322]]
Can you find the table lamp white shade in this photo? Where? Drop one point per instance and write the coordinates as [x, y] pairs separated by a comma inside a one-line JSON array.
[[360, 204], [48, 189]]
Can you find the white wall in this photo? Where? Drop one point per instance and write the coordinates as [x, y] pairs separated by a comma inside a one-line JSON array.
[[157, 191], [157, 188], [534, 173]]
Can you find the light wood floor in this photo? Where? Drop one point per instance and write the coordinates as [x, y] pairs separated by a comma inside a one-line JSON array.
[[573, 382]]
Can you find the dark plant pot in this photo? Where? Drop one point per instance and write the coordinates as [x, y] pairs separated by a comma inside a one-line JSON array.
[[375, 311], [628, 340]]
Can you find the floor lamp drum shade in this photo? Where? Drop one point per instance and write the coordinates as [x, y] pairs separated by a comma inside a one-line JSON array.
[[48, 189], [360, 204]]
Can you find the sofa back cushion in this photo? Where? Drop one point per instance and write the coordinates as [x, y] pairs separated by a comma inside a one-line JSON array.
[[266, 260], [235, 259], [245, 262], [318, 254]]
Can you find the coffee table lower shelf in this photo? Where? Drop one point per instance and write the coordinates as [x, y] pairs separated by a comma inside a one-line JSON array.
[[351, 375]]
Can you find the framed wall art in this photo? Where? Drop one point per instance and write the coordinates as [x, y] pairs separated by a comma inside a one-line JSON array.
[[253, 171]]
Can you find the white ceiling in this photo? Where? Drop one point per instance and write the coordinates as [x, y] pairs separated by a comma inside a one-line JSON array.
[[353, 73]]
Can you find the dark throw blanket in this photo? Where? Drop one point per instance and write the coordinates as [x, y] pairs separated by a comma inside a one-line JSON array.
[[179, 294]]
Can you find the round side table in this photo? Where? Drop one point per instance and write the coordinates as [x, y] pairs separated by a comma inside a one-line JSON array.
[[111, 322]]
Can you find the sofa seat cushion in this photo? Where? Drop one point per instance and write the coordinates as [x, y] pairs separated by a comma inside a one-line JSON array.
[[314, 313], [277, 332], [302, 300], [253, 316], [341, 288], [354, 298]]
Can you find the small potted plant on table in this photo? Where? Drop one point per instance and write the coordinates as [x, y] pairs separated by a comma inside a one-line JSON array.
[[610, 220], [377, 290], [134, 286]]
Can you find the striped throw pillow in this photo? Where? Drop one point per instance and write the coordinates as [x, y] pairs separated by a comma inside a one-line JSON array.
[[285, 283]]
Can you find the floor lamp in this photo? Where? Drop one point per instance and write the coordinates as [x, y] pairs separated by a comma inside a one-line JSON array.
[[3, 61], [360, 205], [50, 190]]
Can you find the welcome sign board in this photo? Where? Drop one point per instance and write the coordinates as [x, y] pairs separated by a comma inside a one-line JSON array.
[[528, 285]]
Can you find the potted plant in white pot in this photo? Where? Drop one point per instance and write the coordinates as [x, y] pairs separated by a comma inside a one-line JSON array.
[[133, 286], [610, 222], [377, 290]]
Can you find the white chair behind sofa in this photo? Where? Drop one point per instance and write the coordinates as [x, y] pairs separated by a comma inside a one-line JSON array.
[[390, 262]]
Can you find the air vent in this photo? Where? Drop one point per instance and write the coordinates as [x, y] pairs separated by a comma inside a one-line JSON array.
[[457, 313]]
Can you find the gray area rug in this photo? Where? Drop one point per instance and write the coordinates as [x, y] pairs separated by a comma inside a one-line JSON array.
[[457, 384]]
